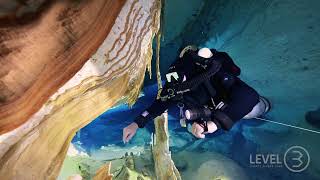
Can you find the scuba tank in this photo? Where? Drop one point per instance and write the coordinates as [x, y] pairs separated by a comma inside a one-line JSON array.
[[176, 85]]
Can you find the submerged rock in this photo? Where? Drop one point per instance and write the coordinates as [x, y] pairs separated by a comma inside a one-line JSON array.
[[104, 173], [220, 169], [313, 118], [208, 166], [165, 168]]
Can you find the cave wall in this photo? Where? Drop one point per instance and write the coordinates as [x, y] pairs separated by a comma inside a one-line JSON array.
[[37, 148], [36, 47]]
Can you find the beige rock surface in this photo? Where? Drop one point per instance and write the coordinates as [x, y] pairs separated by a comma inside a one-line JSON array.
[[163, 164], [103, 173], [36, 149]]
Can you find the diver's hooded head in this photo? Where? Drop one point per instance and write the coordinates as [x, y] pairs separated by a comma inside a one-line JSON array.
[[205, 53], [184, 66]]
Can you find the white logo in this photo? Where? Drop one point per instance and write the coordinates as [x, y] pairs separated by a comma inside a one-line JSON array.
[[296, 159], [145, 114]]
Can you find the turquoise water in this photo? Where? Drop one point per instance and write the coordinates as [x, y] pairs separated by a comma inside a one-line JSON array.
[[276, 44]]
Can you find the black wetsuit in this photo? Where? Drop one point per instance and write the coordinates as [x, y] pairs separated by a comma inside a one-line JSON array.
[[238, 97]]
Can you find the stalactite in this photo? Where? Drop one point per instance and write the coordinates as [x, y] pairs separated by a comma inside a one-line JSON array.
[[159, 34]]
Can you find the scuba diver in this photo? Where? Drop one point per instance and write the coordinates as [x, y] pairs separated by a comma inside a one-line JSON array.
[[204, 84]]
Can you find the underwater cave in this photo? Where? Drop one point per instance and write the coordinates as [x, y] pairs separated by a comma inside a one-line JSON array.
[[274, 42]]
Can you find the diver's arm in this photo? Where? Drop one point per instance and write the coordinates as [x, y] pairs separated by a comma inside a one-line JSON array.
[[196, 81], [156, 109]]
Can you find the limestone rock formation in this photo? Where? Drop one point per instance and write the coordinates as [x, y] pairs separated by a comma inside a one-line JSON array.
[[208, 166], [75, 177], [127, 167], [41, 53], [104, 173], [164, 166], [128, 171], [68, 63], [154, 163]]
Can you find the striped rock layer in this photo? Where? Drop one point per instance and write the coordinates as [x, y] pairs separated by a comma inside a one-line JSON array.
[[63, 69]]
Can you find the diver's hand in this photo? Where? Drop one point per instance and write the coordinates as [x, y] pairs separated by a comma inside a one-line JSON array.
[[212, 127], [129, 132], [198, 130]]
